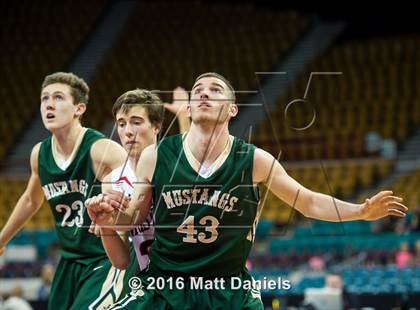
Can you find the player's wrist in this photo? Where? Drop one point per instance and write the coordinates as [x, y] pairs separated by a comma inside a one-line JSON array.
[[361, 214], [2, 243], [107, 230]]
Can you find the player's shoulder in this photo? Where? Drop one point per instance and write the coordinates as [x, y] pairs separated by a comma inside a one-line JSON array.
[[262, 154], [168, 147], [93, 133], [106, 154], [35, 156], [149, 155], [263, 165], [242, 147], [36, 148], [44, 143], [103, 146], [262, 157], [92, 136]]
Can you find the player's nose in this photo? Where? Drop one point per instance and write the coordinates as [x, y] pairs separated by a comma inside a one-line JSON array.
[[204, 94], [50, 104], [129, 131]]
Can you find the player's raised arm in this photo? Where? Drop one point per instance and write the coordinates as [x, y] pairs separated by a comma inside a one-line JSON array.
[[27, 205], [267, 170], [178, 107], [107, 155]]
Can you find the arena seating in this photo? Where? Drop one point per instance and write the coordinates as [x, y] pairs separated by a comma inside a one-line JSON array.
[[360, 280], [338, 178], [167, 44], [408, 187], [377, 91], [36, 42]]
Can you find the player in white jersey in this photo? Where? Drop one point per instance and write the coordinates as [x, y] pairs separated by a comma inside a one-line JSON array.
[[142, 236], [139, 116]]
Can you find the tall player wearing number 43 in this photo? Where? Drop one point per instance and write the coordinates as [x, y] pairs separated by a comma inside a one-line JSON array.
[[203, 186], [67, 168]]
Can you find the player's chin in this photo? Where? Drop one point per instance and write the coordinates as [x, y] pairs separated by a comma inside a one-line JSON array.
[[136, 151], [204, 118], [50, 126], [133, 149]]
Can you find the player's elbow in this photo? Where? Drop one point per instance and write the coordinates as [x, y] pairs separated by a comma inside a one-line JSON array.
[[30, 203], [306, 205], [121, 260], [121, 263]]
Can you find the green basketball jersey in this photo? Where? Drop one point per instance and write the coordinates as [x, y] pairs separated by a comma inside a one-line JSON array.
[[66, 192], [204, 226]]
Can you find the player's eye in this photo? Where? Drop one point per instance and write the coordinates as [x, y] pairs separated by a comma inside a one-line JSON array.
[[44, 98], [121, 124], [58, 97], [197, 91], [216, 90]]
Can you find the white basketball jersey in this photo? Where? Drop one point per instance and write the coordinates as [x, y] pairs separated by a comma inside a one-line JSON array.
[[141, 236]]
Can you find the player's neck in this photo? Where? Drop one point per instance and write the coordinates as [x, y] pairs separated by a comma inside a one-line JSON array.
[[65, 139], [133, 160], [206, 145]]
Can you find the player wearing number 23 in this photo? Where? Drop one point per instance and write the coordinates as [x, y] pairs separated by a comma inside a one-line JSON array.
[[66, 169]]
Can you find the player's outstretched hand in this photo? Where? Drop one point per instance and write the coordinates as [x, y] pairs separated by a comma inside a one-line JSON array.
[[381, 205], [179, 102]]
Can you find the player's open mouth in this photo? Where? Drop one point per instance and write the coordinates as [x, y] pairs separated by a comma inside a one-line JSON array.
[[204, 104], [50, 116]]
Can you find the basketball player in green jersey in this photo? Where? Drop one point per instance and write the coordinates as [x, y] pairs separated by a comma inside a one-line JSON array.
[[67, 168], [206, 205]]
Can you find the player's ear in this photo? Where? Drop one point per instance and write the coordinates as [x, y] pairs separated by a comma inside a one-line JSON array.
[[80, 109], [233, 110], [156, 128], [189, 109]]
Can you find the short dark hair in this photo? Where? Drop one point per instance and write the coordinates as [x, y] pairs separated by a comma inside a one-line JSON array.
[[143, 97], [79, 90], [220, 77]]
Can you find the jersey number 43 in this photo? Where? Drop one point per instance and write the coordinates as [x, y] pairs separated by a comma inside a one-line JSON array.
[[210, 224]]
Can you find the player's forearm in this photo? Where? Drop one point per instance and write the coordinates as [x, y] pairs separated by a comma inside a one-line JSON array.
[[137, 211], [127, 219], [116, 249], [23, 211], [328, 208]]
